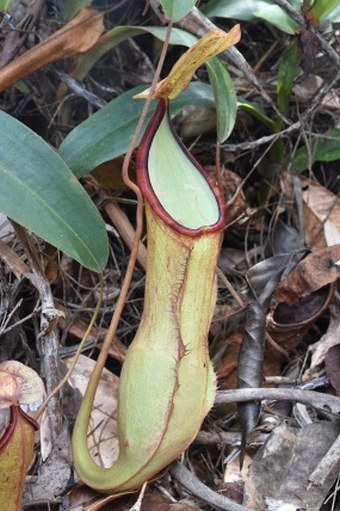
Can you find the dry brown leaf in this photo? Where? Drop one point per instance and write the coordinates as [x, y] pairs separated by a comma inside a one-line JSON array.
[[313, 272], [231, 185], [109, 175], [77, 36], [14, 262], [319, 350], [332, 364], [322, 215], [103, 442], [125, 229], [78, 328]]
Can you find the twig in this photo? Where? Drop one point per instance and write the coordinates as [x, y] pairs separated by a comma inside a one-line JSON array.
[[192, 484], [82, 343], [329, 463], [198, 24], [232, 291], [123, 225], [229, 437], [293, 127], [321, 401], [48, 341], [300, 20], [80, 90]]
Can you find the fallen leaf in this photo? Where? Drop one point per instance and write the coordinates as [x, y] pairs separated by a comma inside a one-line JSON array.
[[109, 175], [322, 215], [231, 187], [14, 262], [123, 225], [313, 272], [332, 365], [77, 36], [319, 349], [102, 441]]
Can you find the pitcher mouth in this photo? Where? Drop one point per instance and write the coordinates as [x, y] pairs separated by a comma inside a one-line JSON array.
[[174, 184]]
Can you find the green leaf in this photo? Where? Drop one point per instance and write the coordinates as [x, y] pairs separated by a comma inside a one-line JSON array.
[[72, 7], [40, 192], [324, 9], [288, 71], [258, 113], [251, 10], [177, 9], [107, 133], [334, 15], [120, 34], [4, 4], [225, 98], [322, 149]]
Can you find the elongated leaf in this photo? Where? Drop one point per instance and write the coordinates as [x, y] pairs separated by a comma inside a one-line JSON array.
[[72, 7], [323, 149], [40, 192], [177, 9], [257, 112], [121, 33], [251, 10], [323, 9], [4, 4], [333, 15], [107, 133], [225, 98], [288, 71]]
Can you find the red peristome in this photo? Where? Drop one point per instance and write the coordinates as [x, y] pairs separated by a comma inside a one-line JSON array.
[[146, 187], [32, 422], [11, 427], [15, 411]]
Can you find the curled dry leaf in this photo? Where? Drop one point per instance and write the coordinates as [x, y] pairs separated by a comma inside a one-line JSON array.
[[313, 272], [77, 36], [19, 384], [262, 279]]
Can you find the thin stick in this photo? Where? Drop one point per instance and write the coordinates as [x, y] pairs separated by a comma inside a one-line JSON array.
[[327, 465], [324, 402], [78, 352], [191, 483], [231, 290]]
